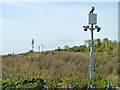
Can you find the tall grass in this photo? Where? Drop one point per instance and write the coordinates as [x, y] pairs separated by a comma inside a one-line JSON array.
[[59, 68]]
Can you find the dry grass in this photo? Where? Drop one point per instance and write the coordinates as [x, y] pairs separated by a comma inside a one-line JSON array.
[[54, 63]]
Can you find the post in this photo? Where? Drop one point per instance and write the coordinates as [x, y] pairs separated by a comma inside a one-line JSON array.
[[32, 50], [91, 54], [42, 47], [32, 47], [92, 20], [68, 87], [39, 49]]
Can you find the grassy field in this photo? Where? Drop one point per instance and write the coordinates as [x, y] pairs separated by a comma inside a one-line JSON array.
[[56, 69]]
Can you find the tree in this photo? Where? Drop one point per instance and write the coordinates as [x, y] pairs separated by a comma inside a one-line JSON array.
[[66, 47], [98, 42], [58, 49], [105, 42]]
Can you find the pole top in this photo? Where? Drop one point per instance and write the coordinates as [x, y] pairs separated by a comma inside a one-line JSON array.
[[92, 9], [32, 41]]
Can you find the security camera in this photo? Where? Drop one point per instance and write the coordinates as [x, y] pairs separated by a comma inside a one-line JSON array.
[[86, 27], [98, 28], [92, 9]]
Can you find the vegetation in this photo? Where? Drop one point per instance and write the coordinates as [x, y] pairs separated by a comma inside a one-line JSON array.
[[104, 45], [60, 67]]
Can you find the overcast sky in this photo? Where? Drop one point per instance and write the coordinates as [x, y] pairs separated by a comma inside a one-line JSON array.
[[54, 24]]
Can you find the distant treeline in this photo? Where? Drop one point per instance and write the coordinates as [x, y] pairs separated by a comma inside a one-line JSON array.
[[99, 46]]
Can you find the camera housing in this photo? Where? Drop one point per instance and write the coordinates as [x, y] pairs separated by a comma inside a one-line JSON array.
[[86, 27], [98, 28]]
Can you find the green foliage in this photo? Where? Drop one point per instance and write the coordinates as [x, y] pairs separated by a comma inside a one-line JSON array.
[[98, 43], [61, 81], [81, 48], [58, 49], [34, 82], [101, 46]]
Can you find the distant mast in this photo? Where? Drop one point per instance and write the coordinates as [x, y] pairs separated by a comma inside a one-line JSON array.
[[42, 47], [32, 47], [39, 50]]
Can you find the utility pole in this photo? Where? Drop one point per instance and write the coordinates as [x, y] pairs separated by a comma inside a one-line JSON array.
[[39, 50], [32, 47], [42, 47], [92, 53], [92, 21]]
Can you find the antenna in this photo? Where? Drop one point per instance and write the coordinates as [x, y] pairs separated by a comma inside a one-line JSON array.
[[39, 52], [32, 47], [42, 47], [32, 41], [39, 49]]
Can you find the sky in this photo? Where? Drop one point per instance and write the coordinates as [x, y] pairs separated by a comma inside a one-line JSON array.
[[53, 24]]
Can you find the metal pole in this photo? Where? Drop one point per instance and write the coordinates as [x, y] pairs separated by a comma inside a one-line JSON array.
[[32, 49], [91, 53], [42, 47], [39, 50], [92, 21]]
